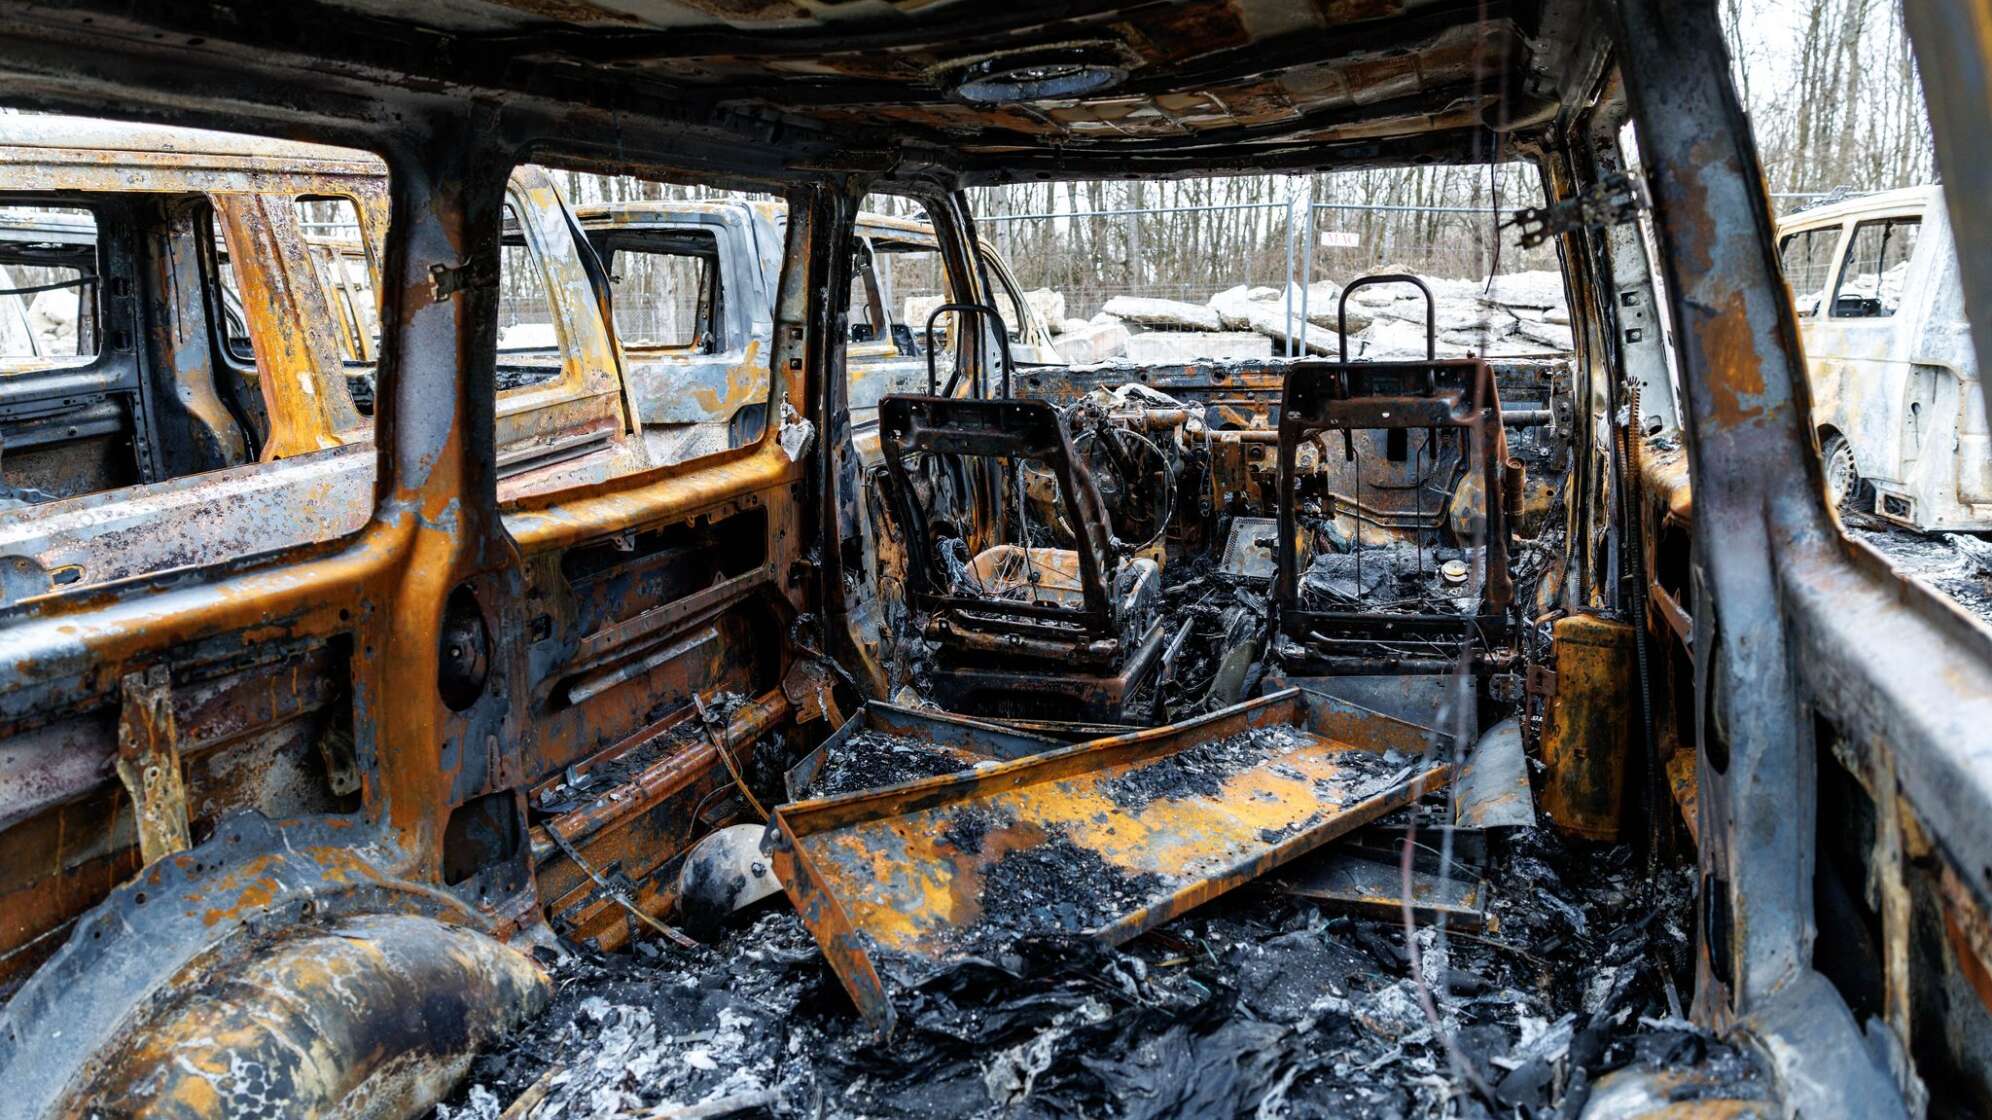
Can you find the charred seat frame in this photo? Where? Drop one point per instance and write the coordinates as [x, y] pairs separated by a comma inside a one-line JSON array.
[[1093, 637], [1348, 397]]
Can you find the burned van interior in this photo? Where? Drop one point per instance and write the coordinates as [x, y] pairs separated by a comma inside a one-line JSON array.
[[472, 647]]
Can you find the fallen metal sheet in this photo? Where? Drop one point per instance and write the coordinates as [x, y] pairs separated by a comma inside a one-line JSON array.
[[1422, 698], [1106, 839], [1248, 551], [1492, 790], [1357, 884], [969, 741]]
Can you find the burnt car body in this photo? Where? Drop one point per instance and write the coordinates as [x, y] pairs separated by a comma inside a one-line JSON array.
[[1894, 388], [707, 389], [445, 674]]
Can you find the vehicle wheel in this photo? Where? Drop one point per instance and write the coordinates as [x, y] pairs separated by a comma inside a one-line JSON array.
[[1844, 485]]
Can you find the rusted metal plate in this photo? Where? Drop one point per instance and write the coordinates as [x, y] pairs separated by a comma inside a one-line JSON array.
[[1105, 839], [1682, 782], [1587, 733], [1354, 883], [1493, 787], [967, 741], [149, 763]]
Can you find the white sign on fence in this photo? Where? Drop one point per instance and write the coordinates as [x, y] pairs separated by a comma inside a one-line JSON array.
[[1339, 239]]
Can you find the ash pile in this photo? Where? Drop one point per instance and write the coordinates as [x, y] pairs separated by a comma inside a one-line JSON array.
[[1260, 1004], [1395, 576]]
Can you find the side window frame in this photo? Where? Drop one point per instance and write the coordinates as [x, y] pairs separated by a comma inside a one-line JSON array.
[[131, 197], [119, 366], [1846, 259], [1006, 282], [713, 308], [91, 282], [1835, 257]]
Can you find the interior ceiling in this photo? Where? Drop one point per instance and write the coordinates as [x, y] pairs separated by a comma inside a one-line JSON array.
[[1196, 73], [1211, 82]]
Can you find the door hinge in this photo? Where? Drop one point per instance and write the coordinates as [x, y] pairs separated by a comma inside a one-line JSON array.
[[446, 280], [1616, 198]]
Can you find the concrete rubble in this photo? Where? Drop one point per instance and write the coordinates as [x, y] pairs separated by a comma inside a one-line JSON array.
[[1518, 313]]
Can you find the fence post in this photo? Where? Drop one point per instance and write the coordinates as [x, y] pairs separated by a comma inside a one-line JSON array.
[[1286, 316], [1306, 258]]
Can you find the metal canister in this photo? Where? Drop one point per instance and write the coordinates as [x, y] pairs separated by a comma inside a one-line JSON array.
[[1587, 732]]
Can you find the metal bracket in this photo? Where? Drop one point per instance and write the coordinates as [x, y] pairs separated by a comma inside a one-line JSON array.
[[1616, 198], [615, 892], [811, 693], [447, 281], [1541, 681], [149, 763]]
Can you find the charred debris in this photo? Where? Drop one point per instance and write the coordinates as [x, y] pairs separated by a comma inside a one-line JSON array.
[[1259, 1004]]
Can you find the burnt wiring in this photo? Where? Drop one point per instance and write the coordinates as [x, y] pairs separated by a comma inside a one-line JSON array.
[[1100, 441], [1165, 507]]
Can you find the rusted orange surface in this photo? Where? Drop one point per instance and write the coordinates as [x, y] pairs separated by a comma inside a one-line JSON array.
[[1587, 733], [1166, 819]]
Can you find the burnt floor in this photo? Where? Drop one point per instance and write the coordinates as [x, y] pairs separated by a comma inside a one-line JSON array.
[[1259, 1004]]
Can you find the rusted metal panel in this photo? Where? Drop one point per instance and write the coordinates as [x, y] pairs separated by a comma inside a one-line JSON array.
[[1370, 884], [111, 156], [1492, 790], [149, 763], [163, 526], [290, 327], [970, 741], [1681, 783], [270, 737], [1587, 735], [1116, 836]]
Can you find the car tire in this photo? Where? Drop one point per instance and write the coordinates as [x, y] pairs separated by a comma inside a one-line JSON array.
[[1845, 487]]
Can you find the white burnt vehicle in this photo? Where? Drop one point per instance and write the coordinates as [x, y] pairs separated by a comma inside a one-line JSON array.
[[1895, 385]]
